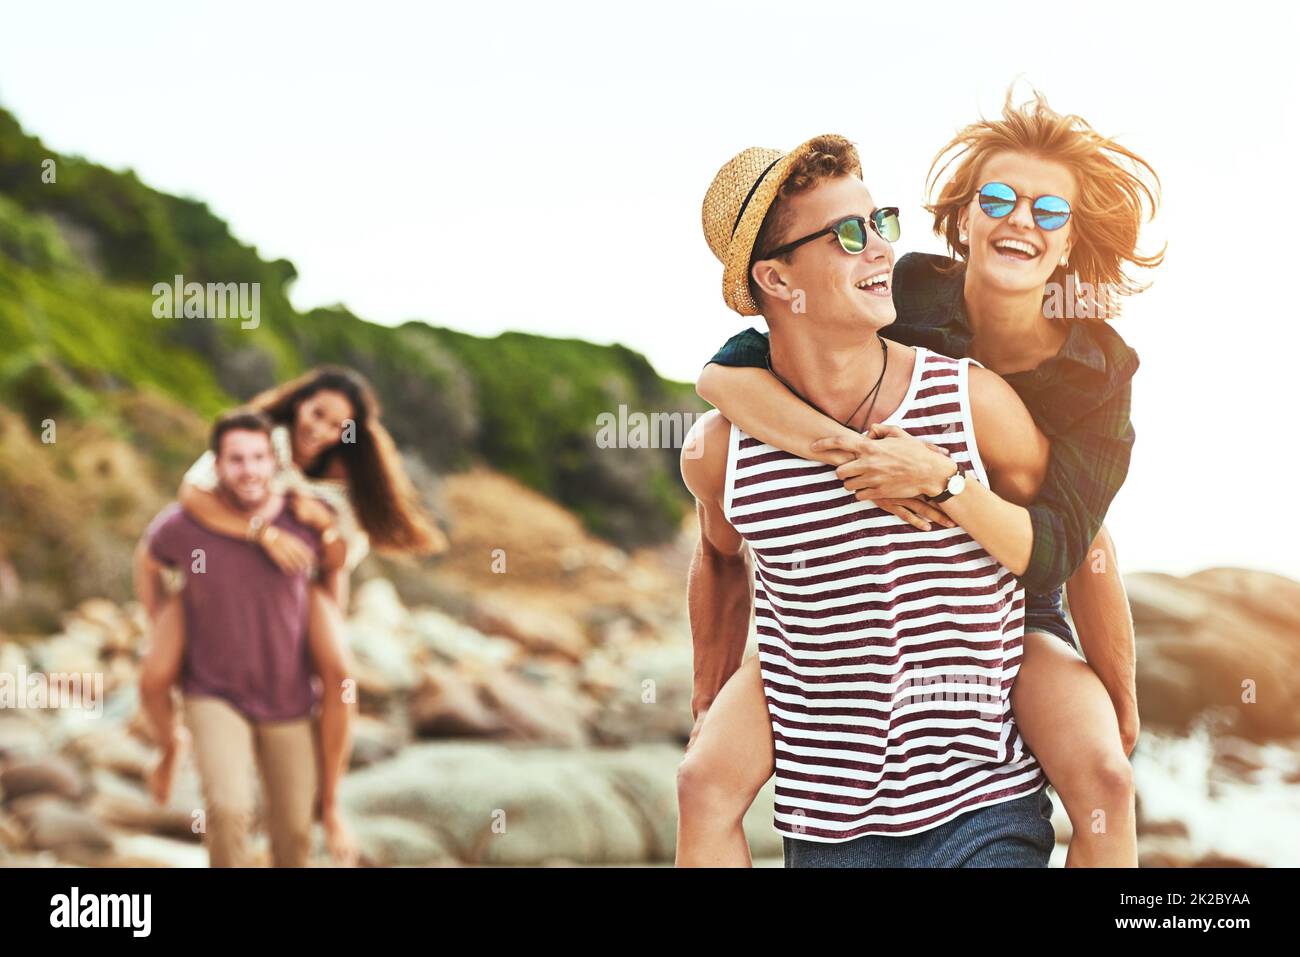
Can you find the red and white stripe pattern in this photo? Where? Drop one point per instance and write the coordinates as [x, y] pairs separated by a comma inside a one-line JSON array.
[[887, 653]]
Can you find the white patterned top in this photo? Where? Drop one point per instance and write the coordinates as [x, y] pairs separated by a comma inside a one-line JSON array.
[[333, 492]]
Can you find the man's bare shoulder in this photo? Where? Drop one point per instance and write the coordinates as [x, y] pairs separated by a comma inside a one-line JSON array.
[[995, 407], [1011, 445], [989, 391], [704, 456]]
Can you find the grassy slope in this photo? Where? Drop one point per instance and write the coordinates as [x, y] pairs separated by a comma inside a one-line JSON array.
[[79, 345]]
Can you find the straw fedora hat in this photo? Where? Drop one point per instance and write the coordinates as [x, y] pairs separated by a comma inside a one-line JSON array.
[[735, 206]]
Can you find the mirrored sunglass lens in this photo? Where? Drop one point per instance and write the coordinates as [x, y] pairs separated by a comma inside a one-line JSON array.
[[997, 199], [887, 224], [1051, 212], [852, 237]]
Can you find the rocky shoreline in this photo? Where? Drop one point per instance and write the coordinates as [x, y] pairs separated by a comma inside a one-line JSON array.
[[503, 735]]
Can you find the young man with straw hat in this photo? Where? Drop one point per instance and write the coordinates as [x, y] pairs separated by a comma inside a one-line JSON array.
[[886, 652]]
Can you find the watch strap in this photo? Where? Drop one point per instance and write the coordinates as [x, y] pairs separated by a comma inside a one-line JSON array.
[[945, 494]]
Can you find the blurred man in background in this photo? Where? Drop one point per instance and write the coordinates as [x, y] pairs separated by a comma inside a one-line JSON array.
[[246, 680]]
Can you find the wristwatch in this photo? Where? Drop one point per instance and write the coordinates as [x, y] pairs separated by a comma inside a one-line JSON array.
[[956, 483], [256, 525]]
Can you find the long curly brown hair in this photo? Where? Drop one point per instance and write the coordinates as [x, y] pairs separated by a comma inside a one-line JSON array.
[[381, 492]]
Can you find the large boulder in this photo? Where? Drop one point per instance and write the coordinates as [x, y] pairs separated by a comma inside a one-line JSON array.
[[644, 693], [492, 804], [374, 740], [149, 850], [540, 629], [55, 824], [497, 805], [23, 735], [121, 802], [386, 841], [446, 704], [452, 641], [1223, 645], [50, 774], [534, 711], [113, 747]]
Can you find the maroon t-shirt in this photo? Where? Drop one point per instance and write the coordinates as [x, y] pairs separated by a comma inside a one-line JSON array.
[[245, 619]]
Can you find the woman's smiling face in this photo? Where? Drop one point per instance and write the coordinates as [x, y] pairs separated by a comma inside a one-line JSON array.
[[320, 421], [1014, 254]]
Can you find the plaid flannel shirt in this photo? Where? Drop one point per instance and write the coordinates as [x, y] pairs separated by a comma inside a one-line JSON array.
[[1080, 399]]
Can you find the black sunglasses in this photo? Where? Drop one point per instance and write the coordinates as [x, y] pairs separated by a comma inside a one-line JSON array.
[[851, 232]]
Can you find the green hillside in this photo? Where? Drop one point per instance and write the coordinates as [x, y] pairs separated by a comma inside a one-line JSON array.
[[80, 347]]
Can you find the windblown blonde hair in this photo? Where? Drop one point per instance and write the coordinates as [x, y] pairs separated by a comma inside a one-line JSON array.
[[1117, 189]]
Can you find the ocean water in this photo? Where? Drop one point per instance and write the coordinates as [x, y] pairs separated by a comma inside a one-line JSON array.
[[1252, 815]]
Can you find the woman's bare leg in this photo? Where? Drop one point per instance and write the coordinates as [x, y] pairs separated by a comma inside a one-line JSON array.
[[1068, 722], [160, 669], [726, 767], [333, 663]]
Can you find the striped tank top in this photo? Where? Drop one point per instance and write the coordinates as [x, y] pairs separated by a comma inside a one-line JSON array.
[[887, 653]]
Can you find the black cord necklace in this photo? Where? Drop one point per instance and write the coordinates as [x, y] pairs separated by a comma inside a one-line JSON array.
[[872, 395]]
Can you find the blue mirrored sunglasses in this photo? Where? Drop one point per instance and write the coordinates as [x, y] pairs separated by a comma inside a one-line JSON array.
[[998, 200]]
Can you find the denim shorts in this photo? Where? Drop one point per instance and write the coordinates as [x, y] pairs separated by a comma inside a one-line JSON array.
[[1015, 833], [1044, 613]]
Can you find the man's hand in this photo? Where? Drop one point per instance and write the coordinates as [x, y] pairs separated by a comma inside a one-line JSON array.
[[1126, 711], [890, 464], [1129, 727], [290, 553]]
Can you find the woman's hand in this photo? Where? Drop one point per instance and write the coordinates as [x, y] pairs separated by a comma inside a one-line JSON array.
[[311, 512], [890, 464], [290, 553], [841, 450], [916, 512]]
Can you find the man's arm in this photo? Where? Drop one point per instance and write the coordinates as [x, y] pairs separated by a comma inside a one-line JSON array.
[[1100, 609], [718, 586]]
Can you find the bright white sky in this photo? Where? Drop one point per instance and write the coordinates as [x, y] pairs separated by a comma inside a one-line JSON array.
[[541, 166]]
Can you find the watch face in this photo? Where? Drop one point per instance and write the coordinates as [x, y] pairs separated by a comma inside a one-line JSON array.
[[956, 483]]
